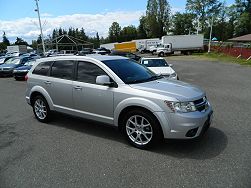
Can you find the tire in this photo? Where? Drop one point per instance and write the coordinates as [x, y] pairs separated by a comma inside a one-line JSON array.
[[147, 131], [153, 52], [178, 78], [161, 54], [41, 109]]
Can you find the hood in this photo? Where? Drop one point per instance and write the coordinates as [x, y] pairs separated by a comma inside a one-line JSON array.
[[162, 70], [172, 88], [8, 66], [23, 68]]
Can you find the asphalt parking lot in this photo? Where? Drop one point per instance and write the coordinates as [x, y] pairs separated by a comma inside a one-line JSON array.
[[72, 152]]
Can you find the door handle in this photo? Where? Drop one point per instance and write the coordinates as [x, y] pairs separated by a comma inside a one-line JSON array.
[[77, 88], [47, 82]]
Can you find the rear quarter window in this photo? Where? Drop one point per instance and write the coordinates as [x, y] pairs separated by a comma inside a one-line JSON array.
[[42, 68]]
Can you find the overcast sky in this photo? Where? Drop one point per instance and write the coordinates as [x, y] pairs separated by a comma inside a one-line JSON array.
[[18, 18]]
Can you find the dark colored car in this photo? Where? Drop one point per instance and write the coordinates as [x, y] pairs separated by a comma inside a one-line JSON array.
[[126, 54], [7, 68], [4, 59], [20, 72], [102, 51], [85, 51]]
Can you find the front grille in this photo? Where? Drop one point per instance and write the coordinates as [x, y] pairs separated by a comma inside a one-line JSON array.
[[201, 104], [5, 69]]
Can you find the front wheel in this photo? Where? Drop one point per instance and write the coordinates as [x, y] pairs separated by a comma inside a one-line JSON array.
[[41, 109], [161, 54], [141, 129]]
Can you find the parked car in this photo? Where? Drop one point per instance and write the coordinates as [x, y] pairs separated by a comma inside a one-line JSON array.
[[160, 67], [126, 54], [7, 68], [85, 51], [3, 59], [20, 72], [118, 91], [102, 51]]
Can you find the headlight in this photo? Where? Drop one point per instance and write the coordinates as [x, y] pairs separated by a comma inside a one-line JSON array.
[[173, 75], [181, 107]]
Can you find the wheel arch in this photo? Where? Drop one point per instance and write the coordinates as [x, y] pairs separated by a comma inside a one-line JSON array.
[[42, 92], [135, 103]]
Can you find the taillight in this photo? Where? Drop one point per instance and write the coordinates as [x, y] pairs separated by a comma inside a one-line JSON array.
[[26, 77]]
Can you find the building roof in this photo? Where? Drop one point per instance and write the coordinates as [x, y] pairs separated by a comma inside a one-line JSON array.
[[244, 38]]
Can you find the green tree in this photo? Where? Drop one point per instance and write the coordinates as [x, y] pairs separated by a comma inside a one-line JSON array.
[[39, 39], [157, 18], [243, 24], [204, 9], [20, 41], [243, 6], [128, 33], [183, 23], [5, 40], [34, 44], [114, 32], [2, 46], [83, 36], [97, 43], [141, 31]]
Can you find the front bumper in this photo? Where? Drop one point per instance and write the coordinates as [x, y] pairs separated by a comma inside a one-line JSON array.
[[6, 72], [185, 125]]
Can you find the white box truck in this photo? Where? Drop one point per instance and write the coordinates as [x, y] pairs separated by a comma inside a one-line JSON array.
[[17, 48], [186, 44], [144, 45]]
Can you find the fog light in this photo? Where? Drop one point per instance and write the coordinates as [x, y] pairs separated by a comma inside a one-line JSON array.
[[192, 132]]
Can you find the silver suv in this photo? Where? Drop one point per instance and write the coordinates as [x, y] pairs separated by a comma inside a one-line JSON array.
[[118, 91]]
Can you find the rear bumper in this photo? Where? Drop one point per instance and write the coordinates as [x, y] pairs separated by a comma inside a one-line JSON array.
[[20, 75]]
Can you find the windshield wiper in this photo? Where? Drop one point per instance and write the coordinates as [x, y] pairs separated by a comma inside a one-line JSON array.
[[152, 78]]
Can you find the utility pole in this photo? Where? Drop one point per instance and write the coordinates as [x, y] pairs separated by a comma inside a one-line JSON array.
[[198, 26], [210, 38], [41, 31]]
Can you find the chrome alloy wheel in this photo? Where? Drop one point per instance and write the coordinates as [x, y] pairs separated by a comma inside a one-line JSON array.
[[40, 109], [139, 130]]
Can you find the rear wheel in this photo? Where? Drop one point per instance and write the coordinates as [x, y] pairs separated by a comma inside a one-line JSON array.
[[41, 109], [161, 54], [141, 129]]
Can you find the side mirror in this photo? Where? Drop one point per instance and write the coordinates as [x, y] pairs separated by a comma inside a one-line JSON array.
[[104, 80], [170, 65]]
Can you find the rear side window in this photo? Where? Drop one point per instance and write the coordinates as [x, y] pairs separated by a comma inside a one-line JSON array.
[[62, 69], [42, 68], [88, 72]]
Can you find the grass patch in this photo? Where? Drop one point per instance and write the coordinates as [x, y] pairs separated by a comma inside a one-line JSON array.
[[224, 58]]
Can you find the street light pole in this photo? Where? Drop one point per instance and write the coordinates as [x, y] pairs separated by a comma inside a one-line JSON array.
[[41, 31], [210, 37]]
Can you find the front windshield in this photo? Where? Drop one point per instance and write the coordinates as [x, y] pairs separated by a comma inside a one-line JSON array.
[[155, 63], [13, 61], [130, 72]]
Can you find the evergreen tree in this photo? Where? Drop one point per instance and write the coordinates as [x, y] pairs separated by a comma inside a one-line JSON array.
[[20, 41], [5, 40], [114, 32]]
